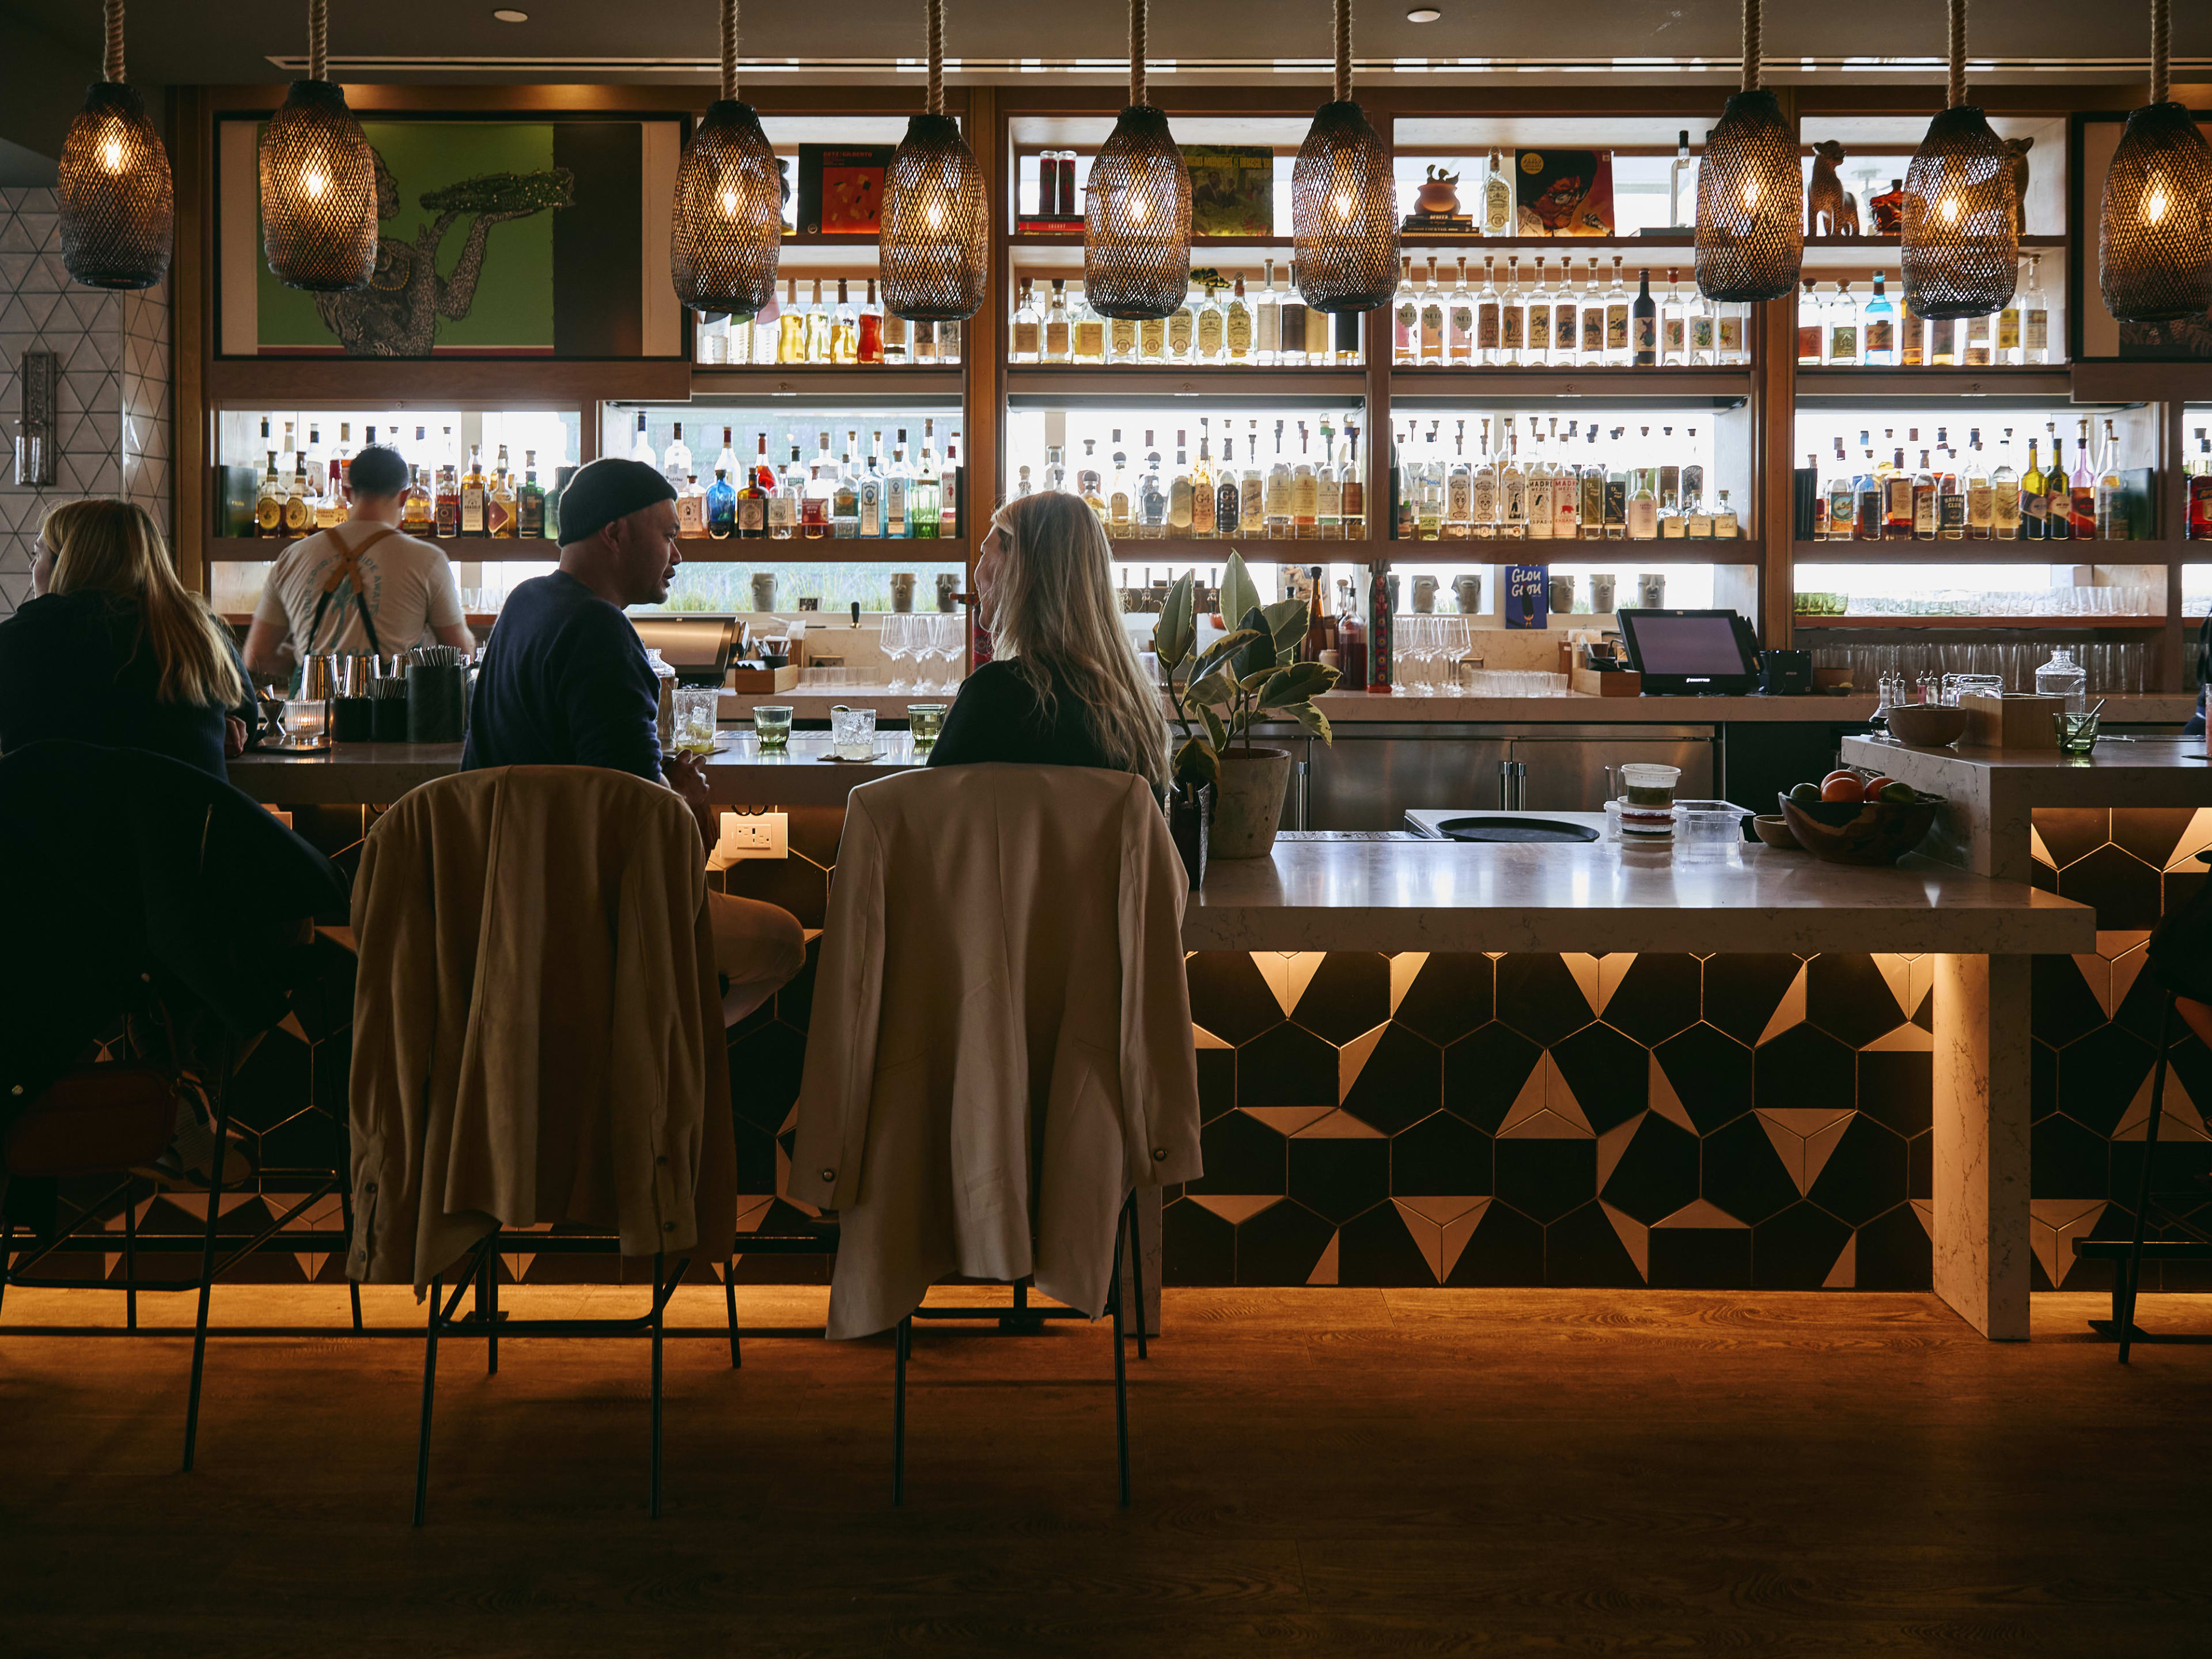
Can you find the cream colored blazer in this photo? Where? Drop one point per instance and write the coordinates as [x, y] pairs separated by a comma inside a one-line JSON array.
[[1000, 1047]]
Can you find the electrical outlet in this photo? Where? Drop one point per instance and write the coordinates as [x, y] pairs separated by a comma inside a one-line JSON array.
[[755, 836]]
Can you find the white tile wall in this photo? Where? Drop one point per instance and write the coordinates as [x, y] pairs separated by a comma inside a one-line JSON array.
[[116, 415]]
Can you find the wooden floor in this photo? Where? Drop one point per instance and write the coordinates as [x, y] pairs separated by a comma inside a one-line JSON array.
[[1317, 1471]]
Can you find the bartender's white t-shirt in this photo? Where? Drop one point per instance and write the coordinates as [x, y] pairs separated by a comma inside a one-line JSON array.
[[409, 586]]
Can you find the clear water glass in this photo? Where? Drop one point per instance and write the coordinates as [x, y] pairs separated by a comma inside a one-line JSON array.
[[772, 725]]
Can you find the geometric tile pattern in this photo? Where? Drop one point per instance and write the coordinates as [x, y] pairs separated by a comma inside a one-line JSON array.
[[2096, 1021], [117, 420]]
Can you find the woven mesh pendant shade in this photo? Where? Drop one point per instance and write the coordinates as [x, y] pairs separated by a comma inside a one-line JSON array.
[[935, 239], [118, 207], [318, 192], [1136, 207], [1959, 239], [726, 235], [1343, 200], [1751, 204], [2155, 236]]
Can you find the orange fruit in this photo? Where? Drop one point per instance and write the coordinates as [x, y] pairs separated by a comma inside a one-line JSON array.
[[1841, 786]]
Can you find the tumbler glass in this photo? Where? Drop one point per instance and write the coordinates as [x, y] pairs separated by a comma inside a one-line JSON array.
[[924, 720], [697, 708], [853, 730], [772, 725]]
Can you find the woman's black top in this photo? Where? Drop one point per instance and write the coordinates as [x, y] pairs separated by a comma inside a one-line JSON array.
[[75, 666], [996, 718]]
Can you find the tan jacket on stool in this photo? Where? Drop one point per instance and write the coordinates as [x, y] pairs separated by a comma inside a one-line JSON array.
[[1000, 1037], [537, 1031]]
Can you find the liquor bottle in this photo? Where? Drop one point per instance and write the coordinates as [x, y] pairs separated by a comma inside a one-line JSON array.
[[1228, 491], [1539, 487], [1352, 488], [783, 507], [1488, 308], [1880, 326], [2035, 318], [1182, 327], [1726, 527], [1927, 507], [1867, 488], [1236, 329], [820, 327], [1697, 324], [844, 329], [473, 522], [1591, 510], [676, 462], [341, 458], [1950, 498], [1252, 487], [1512, 317], [1566, 489], [1151, 496], [1121, 340], [1351, 644], [1977, 340], [1276, 501], [1497, 199], [1843, 499], [1593, 315], [1088, 333], [1267, 327], [1057, 344], [1291, 319], [1179, 492], [2057, 491], [1617, 483], [1088, 484], [790, 325], [269, 500], [1119, 521], [1693, 477], [446, 503], [1812, 336], [898, 493], [1896, 500], [1729, 327], [2034, 505], [1942, 342], [1432, 319], [898, 340], [1644, 495], [1432, 488], [1617, 305], [1152, 339], [750, 508], [1670, 471], [2082, 488], [1024, 342], [926, 515], [1980, 508], [1328, 489], [1459, 321], [815, 500], [1339, 332], [1537, 350], [1843, 325], [1644, 326], [641, 447], [418, 513], [1305, 493], [870, 486], [1458, 524], [1566, 330], [1673, 340], [2112, 499], [1512, 488], [2008, 347], [2198, 527], [499, 501]]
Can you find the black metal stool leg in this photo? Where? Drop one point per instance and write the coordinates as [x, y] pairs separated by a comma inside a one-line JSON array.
[[130, 1255], [1120, 1366], [901, 1343], [2126, 1320], [430, 1387], [658, 1263], [207, 1250], [343, 1170], [730, 1300], [490, 1305], [1137, 1267]]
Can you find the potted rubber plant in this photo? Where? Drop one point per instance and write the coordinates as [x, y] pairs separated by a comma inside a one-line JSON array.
[[1250, 674]]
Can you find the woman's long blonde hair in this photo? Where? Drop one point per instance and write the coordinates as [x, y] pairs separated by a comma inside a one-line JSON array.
[[115, 547], [1055, 619]]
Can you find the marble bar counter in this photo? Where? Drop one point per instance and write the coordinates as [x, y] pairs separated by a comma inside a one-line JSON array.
[[1993, 793], [738, 773]]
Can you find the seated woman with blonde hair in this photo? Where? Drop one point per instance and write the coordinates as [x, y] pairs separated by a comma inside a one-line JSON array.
[[115, 651], [1064, 687]]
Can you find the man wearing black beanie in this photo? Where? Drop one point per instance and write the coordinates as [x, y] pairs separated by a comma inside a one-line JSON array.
[[565, 682]]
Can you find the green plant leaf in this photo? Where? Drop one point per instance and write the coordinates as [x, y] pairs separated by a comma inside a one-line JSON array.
[[1296, 684], [1312, 721], [1238, 595], [1198, 761], [1216, 730], [1222, 648], [1215, 690], [1259, 654], [1286, 621], [1175, 632]]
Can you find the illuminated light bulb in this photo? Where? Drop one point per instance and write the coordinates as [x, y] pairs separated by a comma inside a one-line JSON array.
[[730, 203], [1140, 209], [316, 182], [1950, 209], [2156, 203], [111, 154], [936, 216], [1750, 194], [1342, 203]]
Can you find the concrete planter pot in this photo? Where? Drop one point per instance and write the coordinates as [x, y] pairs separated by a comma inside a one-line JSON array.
[[1248, 804]]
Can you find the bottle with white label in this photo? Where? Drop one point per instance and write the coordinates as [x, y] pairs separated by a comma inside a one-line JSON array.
[[1497, 199], [2035, 318]]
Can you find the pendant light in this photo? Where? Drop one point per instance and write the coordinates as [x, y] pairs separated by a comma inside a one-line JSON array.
[[1960, 241], [1136, 207], [1751, 192], [317, 181], [118, 207], [1344, 201], [934, 242], [2154, 237], [727, 234]]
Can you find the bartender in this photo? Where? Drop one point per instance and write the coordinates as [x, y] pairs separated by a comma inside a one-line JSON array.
[[565, 682]]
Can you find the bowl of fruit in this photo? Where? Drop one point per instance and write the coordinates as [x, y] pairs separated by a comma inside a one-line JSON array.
[[1849, 817]]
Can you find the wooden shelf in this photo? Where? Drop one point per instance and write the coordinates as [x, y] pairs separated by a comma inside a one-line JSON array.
[[1918, 552], [696, 549], [1844, 382], [254, 549], [1417, 387], [2050, 624], [1136, 382], [823, 382]]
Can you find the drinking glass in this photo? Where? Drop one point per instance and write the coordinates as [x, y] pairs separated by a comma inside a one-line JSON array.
[[772, 723], [898, 639], [852, 732], [924, 720], [2077, 733], [697, 708]]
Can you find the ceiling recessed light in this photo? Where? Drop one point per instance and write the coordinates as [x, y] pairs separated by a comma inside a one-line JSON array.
[[506, 16], [1423, 14]]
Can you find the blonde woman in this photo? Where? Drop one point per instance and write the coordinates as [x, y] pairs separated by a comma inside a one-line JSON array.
[[1064, 688], [114, 650]]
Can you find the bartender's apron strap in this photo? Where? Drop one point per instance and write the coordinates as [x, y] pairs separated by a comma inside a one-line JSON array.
[[347, 567]]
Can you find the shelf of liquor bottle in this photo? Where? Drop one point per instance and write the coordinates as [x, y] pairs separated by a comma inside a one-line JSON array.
[[2081, 624], [1826, 253], [1443, 384], [249, 550], [697, 550], [1027, 383], [1575, 550], [1257, 549], [1916, 551], [843, 384], [1842, 382]]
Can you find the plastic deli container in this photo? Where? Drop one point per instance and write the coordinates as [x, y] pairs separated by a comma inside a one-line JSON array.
[[1647, 811]]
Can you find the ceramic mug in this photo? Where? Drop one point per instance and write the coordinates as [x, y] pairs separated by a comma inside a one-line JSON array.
[[1468, 592], [1424, 594], [948, 586], [902, 592], [1602, 591], [1562, 594], [1650, 592], [764, 591]]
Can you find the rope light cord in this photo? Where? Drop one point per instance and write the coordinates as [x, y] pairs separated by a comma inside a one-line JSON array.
[[111, 25], [937, 57], [1753, 27], [729, 52], [1958, 52], [2161, 42], [319, 39], [1137, 52], [1343, 52]]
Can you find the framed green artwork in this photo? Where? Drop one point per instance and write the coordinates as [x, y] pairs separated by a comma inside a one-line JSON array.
[[495, 238]]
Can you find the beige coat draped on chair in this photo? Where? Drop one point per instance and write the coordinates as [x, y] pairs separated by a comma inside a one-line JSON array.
[[537, 1032], [1000, 1041]]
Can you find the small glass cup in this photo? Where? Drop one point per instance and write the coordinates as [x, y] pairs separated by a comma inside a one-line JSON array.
[[924, 720], [852, 732], [698, 709], [772, 725], [2077, 733]]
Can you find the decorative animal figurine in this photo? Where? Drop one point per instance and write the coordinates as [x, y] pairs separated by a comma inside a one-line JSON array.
[[1439, 195], [2019, 148], [1827, 200]]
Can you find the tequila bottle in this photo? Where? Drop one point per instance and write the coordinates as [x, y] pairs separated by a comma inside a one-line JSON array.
[[1512, 317], [1028, 338], [1487, 313], [1459, 491], [1537, 350], [1432, 319], [1459, 322], [1266, 326]]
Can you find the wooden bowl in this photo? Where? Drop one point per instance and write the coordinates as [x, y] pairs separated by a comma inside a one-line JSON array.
[[1926, 724], [1774, 828], [1860, 832]]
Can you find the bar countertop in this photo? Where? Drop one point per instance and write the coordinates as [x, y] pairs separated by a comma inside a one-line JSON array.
[[1393, 893]]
